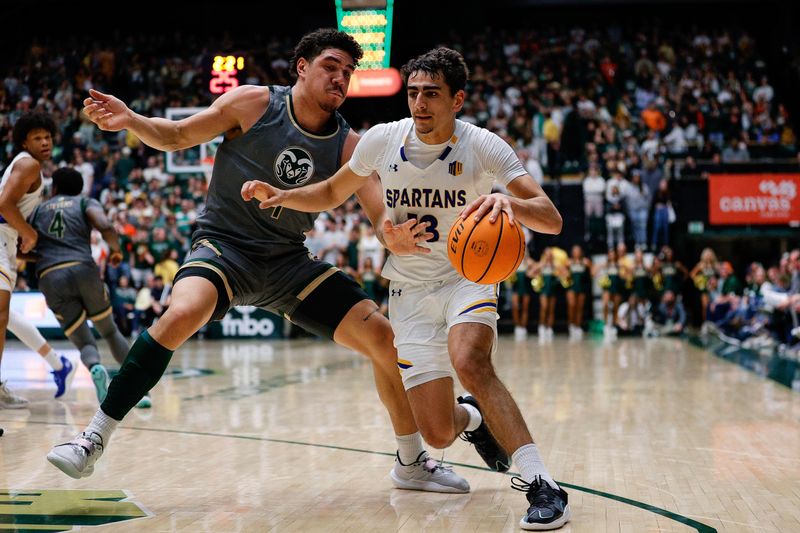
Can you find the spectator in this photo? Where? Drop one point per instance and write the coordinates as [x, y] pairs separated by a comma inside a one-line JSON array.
[[735, 152], [670, 316], [151, 302], [168, 266], [594, 188], [636, 195], [663, 216], [653, 118], [123, 304], [369, 247]]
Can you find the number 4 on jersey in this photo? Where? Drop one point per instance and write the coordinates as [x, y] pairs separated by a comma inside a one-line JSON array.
[[57, 225]]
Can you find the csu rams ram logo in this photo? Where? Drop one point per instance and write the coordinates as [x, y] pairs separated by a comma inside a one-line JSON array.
[[294, 166]]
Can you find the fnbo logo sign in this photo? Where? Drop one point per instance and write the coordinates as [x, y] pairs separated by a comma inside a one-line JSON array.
[[247, 321], [64, 510]]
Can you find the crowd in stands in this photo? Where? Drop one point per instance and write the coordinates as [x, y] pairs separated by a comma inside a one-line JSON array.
[[623, 109]]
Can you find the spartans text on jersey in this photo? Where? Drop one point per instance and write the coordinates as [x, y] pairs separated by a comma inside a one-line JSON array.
[[433, 198]]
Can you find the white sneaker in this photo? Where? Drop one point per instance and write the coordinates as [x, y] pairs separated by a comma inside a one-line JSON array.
[[520, 333], [549, 333], [542, 332], [9, 400], [77, 457], [427, 474]]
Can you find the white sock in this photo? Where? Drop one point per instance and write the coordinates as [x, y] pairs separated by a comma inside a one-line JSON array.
[[475, 417], [409, 447], [53, 359], [103, 425], [531, 465]]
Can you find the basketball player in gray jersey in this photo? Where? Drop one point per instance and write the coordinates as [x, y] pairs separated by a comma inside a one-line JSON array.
[[242, 255], [69, 277]]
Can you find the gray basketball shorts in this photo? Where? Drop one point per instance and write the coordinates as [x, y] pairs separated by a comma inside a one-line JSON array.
[[75, 292], [285, 280]]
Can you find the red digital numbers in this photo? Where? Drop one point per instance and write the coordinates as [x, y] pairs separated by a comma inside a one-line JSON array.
[[223, 73]]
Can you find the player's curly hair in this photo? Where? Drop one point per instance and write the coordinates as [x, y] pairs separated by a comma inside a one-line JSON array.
[[29, 122], [67, 181], [441, 61], [312, 45]]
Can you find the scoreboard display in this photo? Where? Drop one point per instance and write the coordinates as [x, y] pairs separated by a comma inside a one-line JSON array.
[[224, 74], [370, 24]]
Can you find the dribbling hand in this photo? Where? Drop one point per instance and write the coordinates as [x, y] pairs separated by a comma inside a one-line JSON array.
[[267, 195], [108, 112], [492, 204]]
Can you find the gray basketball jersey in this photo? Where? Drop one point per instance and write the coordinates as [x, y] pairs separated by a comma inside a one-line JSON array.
[[64, 231], [278, 151]]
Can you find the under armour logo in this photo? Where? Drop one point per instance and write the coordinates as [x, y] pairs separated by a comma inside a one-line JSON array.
[[397, 292], [393, 167]]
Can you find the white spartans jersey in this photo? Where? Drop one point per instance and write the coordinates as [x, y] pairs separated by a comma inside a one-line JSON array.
[[432, 183], [29, 200]]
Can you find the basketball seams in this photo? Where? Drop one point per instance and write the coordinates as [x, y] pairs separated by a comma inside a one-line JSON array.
[[496, 246]]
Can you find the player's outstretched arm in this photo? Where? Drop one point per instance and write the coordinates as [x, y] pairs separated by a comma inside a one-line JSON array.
[[401, 239], [321, 196], [111, 114]]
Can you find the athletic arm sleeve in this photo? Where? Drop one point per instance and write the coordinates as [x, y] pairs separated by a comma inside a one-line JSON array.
[[369, 152], [498, 159]]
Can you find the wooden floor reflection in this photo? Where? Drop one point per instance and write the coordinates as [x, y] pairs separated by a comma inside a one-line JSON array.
[[652, 435]]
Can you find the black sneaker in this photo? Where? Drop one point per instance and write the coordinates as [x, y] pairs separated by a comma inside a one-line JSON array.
[[548, 506], [485, 443]]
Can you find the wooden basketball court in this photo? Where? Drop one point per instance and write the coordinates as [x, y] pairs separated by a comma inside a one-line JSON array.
[[247, 436]]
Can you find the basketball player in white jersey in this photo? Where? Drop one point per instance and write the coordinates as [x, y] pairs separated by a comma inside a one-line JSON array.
[[433, 169], [20, 192]]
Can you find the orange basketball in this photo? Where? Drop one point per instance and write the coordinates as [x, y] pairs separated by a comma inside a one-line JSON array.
[[483, 252]]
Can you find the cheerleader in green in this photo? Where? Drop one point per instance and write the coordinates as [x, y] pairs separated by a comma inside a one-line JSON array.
[[641, 278], [521, 298], [544, 281], [579, 269], [701, 274], [610, 280], [672, 272]]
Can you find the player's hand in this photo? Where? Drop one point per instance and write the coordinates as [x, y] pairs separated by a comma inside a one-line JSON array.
[[404, 239], [108, 112], [115, 259], [266, 194], [492, 204], [28, 238]]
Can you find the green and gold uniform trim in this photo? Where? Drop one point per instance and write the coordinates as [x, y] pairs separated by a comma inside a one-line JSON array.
[[59, 266], [101, 315], [70, 329], [204, 263], [316, 283]]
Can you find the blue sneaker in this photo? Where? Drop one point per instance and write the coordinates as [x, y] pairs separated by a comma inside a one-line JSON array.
[[62, 376], [100, 379]]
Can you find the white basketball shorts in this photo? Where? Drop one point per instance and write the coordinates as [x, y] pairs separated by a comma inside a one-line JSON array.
[[422, 314]]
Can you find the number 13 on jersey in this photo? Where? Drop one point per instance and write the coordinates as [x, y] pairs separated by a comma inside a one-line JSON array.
[[434, 224]]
